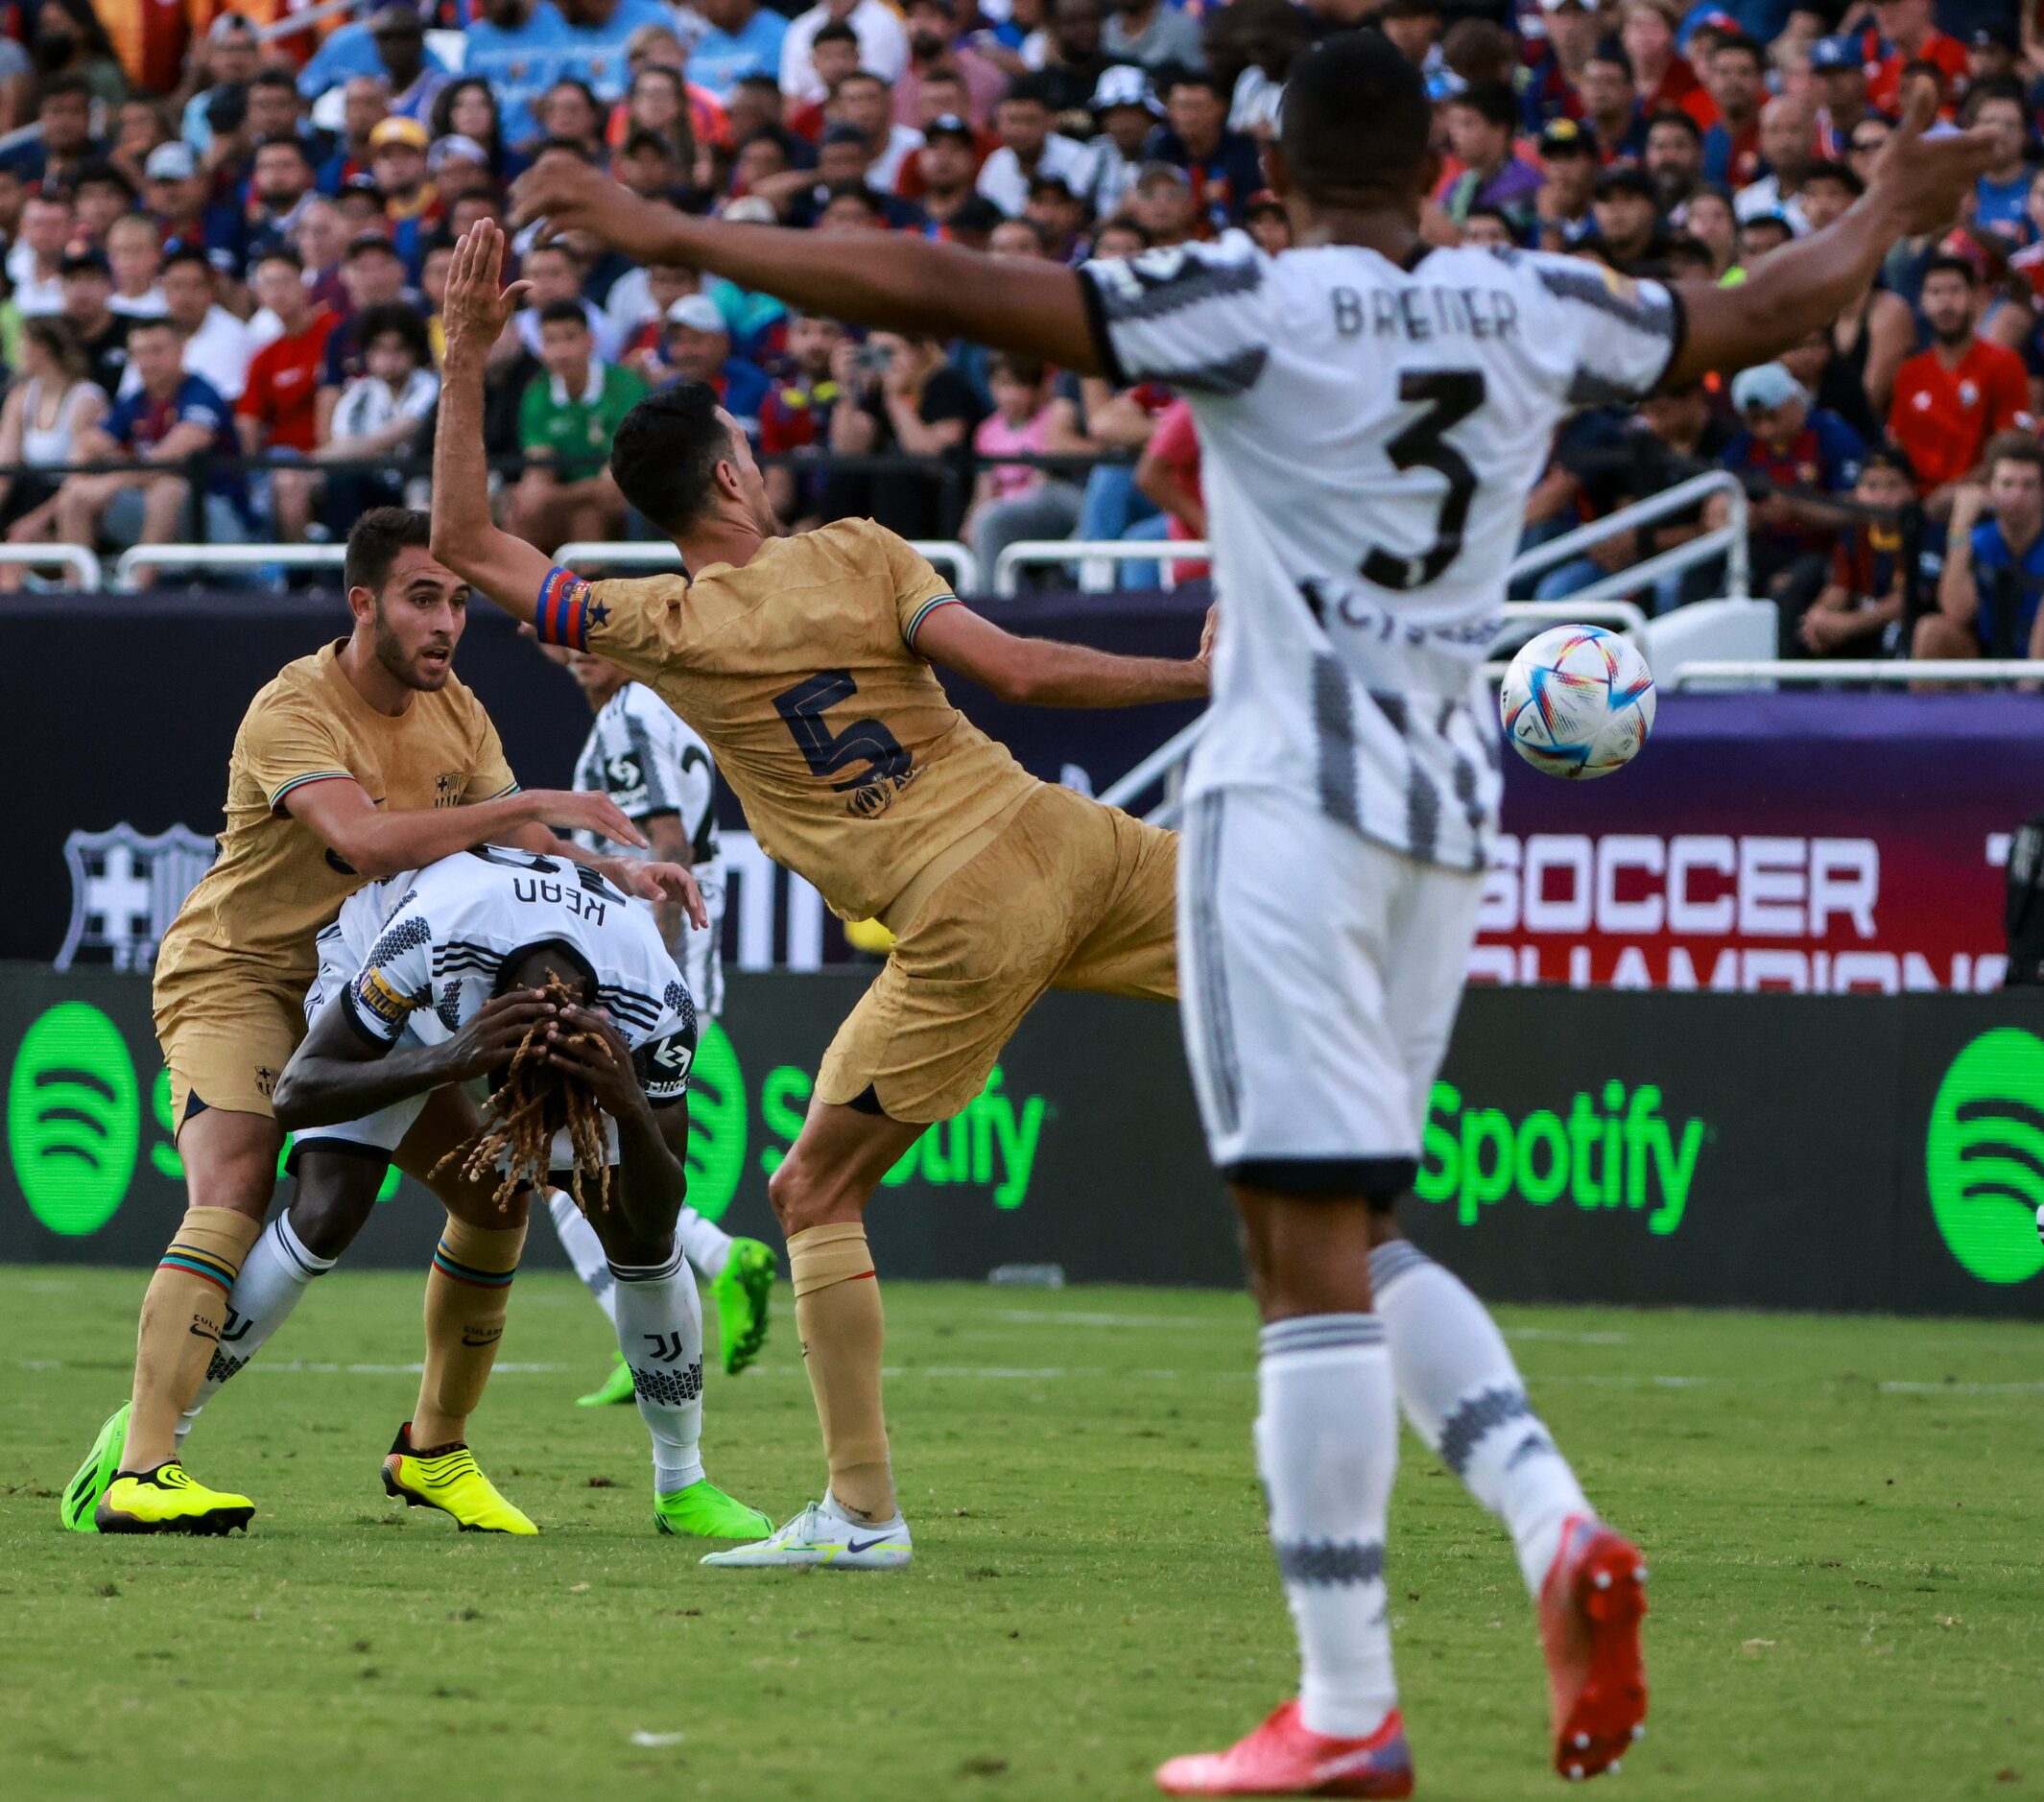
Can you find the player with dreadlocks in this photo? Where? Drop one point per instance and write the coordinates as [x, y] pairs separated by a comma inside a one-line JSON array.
[[547, 981]]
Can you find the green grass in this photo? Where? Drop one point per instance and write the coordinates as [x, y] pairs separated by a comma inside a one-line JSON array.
[[1846, 1588]]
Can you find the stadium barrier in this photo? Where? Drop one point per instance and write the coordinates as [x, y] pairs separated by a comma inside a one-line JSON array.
[[1718, 1150]]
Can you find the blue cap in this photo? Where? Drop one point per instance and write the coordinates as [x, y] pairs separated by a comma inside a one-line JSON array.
[[1834, 53]]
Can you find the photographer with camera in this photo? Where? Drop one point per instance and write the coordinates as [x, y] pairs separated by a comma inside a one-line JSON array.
[[902, 396]]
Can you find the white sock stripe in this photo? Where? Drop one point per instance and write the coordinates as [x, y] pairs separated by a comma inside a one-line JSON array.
[[647, 1273], [296, 1249], [1320, 1332], [1392, 1260]]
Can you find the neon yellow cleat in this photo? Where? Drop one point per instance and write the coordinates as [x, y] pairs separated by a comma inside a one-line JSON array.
[[614, 1388], [741, 1289], [167, 1501], [83, 1493], [449, 1481], [703, 1511]]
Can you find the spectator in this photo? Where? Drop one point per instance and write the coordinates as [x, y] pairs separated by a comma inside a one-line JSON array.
[[320, 239], [1908, 33], [882, 40], [1860, 609], [1736, 76], [946, 166], [215, 345], [599, 37], [863, 102], [2001, 195], [1125, 112], [275, 110], [555, 271], [1266, 221], [1790, 456], [468, 109], [172, 419], [65, 144], [1955, 396], [1029, 147], [141, 128], [905, 397], [1488, 228], [1871, 335], [364, 104], [567, 419], [1225, 166], [744, 39], [1073, 62], [1168, 473], [136, 254], [1628, 231], [570, 117], [391, 46], [278, 408], [1785, 141], [1994, 560], [410, 203], [1154, 35], [48, 415], [934, 50], [101, 333], [1016, 501], [1708, 218], [1161, 203], [833, 57], [1480, 122], [230, 61], [1674, 158], [698, 349], [176, 190], [514, 47], [1839, 79], [101, 195], [379, 418], [796, 415], [1610, 105], [665, 103], [36, 255], [1059, 214], [1664, 79], [279, 188], [1568, 178], [1251, 45], [372, 274]]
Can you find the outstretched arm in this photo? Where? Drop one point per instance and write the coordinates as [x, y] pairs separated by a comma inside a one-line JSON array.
[[1917, 187], [884, 279], [1042, 672], [507, 569]]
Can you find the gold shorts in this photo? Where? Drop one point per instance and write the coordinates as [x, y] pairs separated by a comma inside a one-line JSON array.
[[225, 1044], [1070, 894]]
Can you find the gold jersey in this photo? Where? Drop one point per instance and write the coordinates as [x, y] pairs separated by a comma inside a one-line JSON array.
[[800, 672], [275, 884]]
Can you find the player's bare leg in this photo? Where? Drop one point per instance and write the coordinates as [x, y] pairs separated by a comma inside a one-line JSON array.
[[1327, 1447], [231, 1171], [1459, 1387], [819, 1194]]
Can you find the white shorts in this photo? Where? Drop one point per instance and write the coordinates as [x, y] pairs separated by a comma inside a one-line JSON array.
[[1318, 978]]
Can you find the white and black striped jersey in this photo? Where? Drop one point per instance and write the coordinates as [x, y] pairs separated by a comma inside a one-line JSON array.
[[424, 951], [649, 760], [1370, 436]]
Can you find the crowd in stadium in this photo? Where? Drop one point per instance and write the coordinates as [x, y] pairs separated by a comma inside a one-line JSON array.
[[226, 241]]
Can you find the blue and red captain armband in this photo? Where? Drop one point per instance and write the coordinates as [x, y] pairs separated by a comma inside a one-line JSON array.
[[565, 610]]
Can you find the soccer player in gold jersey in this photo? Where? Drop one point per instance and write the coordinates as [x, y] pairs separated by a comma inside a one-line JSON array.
[[365, 759], [805, 665]]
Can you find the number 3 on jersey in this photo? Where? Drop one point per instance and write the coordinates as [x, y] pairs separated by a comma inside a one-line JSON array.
[[1448, 397], [826, 752]]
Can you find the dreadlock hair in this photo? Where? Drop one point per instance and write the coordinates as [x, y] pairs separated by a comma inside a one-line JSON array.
[[533, 1103]]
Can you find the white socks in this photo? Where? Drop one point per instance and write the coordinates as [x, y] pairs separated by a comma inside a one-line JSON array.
[[659, 1330], [273, 1278], [1327, 1447], [705, 1245], [1464, 1396]]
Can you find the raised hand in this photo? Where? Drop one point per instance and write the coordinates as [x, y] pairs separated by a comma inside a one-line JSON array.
[[567, 194], [588, 809], [1922, 181], [475, 308]]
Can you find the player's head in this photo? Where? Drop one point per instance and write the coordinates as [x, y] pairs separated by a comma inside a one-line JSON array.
[[683, 462], [1355, 127], [410, 605], [598, 678]]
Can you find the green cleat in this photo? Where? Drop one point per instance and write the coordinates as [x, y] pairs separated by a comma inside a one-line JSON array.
[[703, 1511], [615, 1387], [84, 1491], [741, 1290]]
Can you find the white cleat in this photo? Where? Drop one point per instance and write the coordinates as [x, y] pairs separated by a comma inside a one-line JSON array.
[[819, 1538]]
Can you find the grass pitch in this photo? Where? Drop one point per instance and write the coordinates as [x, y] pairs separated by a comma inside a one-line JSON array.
[[1842, 1517]]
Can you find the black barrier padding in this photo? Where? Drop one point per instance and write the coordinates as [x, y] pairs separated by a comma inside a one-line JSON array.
[[1704, 1150], [124, 707]]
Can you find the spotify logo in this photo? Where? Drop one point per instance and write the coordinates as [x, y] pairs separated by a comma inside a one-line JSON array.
[[1984, 1157], [716, 1123], [73, 1122]]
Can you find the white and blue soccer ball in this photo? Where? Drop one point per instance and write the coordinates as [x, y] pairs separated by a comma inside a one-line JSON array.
[[1578, 702]]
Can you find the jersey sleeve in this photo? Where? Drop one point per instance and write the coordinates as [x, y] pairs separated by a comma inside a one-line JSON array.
[[287, 743], [395, 979], [663, 1061], [919, 589], [489, 773], [1616, 337], [1198, 316], [635, 622]]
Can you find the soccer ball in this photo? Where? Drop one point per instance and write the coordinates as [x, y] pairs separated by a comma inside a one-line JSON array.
[[1578, 702]]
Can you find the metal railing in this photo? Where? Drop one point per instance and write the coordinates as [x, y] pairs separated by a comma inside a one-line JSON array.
[[1048, 553], [72, 557], [1728, 541], [225, 557], [947, 553], [1830, 673]]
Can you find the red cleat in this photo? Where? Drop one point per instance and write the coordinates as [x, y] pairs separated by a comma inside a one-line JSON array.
[[1591, 1609], [1286, 1757]]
